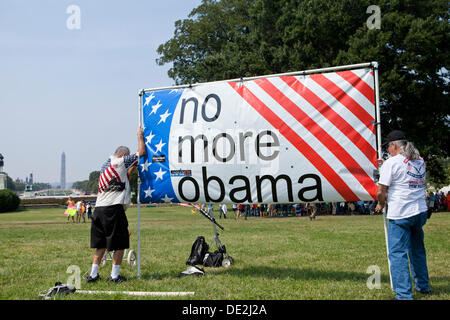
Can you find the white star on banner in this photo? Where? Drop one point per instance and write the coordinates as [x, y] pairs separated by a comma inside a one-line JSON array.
[[156, 107], [159, 146], [149, 137], [164, 116], [173, 90], [159, 174], [148, 99], [148, 192], [166, 199], [145, 165]]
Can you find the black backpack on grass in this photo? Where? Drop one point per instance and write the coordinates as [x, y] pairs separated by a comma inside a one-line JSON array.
[[213, 259], [198, 251]]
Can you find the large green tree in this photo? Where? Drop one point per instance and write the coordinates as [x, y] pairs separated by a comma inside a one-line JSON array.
[[412, 48], [90, 185], [225, 39], [210, 45]]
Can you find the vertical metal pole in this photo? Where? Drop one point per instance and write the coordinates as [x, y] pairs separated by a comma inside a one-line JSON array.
[[380, 152], [139, 200]]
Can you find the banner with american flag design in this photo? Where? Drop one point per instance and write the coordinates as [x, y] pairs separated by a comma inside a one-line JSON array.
[[273, 139]]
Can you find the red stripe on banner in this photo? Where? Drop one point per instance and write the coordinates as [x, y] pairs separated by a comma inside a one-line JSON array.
[[345, 99], [315, 159], [115, 173], [335, 148], [333, 117], [359, 84]]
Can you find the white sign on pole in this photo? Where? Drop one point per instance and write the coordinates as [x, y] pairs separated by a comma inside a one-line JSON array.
[[300, 137]]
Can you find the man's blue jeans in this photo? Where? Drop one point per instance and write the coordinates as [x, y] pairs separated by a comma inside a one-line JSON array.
[[405, 239]]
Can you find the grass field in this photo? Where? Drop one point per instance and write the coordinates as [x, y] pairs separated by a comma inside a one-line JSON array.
[[276, 258]]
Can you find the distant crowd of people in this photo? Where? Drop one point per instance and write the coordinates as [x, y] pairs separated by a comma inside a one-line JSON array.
[[78, 210], [436, 201], [297, 209]]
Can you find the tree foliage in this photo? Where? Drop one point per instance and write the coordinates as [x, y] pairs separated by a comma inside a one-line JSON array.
[[9, 201], [226, 39], [89, 186]]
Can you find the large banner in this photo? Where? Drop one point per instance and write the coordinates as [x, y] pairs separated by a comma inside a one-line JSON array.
[[274, 139]]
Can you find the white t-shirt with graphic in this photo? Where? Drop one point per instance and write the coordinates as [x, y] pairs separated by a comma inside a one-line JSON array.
[[113, 183], [405, 178]]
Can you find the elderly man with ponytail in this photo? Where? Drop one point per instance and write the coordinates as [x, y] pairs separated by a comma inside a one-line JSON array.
[[402, 188]]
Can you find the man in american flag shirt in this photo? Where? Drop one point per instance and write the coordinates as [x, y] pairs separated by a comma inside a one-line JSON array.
[[109, 228]]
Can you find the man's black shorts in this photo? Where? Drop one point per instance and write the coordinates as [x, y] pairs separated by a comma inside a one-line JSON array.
[[109, 228]]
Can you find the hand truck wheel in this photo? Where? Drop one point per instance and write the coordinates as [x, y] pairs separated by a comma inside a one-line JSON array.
[[132, 258]]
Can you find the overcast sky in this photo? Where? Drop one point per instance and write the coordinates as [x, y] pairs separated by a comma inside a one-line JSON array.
[[76, 90]]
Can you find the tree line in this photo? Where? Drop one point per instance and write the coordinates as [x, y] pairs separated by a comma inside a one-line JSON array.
[[90, 185], [20, 186]]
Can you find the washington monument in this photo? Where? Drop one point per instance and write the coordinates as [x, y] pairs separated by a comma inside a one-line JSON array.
[[63, 170]]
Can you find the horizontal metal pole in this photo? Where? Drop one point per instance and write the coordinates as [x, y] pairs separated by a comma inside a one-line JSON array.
[[295, 73], [138, 293]]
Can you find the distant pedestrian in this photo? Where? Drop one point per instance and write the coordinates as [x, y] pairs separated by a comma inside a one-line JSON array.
[[223, 210], [78, 205], [448, 200], [430, 201], [89, 210], [83, 211], [71, 210], [313, 211], [240, 211], [352, 207], [210, 208]]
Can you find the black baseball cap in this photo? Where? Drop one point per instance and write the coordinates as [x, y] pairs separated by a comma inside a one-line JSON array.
[[394, 136]]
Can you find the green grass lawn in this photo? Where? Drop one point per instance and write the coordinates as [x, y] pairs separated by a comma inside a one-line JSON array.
[[279, 258]]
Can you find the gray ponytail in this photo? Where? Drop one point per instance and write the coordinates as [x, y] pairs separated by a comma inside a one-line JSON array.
[[408, 150]]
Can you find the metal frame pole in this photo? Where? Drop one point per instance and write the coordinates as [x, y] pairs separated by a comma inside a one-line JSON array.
[[295, 73], [380, 151], [372, 64], [141, 95]]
